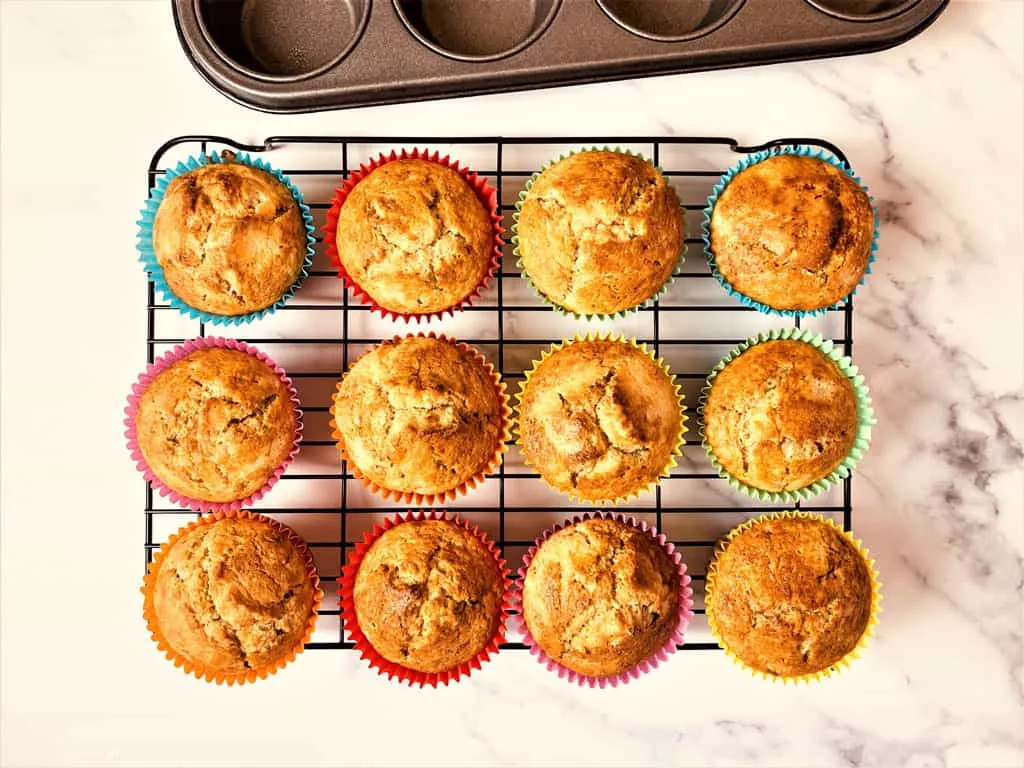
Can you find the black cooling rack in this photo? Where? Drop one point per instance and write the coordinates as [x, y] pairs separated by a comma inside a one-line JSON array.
[[316, 335]]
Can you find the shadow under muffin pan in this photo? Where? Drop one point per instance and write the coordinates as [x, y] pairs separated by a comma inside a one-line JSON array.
[[308, 55]]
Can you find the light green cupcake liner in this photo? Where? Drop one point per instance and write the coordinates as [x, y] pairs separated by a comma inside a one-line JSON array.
[[659, 294], [865, 416]]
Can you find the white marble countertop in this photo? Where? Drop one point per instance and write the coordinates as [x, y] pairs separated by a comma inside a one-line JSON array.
[[89, 89]]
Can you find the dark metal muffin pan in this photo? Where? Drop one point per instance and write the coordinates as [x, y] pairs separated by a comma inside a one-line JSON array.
[[308, 55]]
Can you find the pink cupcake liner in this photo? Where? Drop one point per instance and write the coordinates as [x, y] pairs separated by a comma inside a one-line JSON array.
[[678, 634], [146, 378]]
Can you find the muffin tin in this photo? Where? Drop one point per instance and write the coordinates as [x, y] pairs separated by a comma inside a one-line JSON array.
[[307, 55]]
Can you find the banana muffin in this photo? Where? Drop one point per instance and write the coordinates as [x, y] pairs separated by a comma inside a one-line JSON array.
[[415, 237], [428, 595], [599, 419], [792, 232], [230, 238], [599, 232], [601, 596], [421, 415], [216, 424], [789, 596], [781, 416]]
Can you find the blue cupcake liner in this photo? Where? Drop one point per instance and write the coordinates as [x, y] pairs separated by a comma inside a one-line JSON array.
[[753, 159], [147, 255]]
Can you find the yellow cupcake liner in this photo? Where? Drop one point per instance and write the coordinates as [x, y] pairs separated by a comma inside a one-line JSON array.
[[659, 361], [835, 668]]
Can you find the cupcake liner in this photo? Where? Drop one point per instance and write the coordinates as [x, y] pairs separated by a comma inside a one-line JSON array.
[[865, 416], [678, 635], [660, 362], [147, 254], [753, 159], [650, 302], [487, 194], [346, 599], [161, 364], [431, 499], [198, 670], [843, 663]]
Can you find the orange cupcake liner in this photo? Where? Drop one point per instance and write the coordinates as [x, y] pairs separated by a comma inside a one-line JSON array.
[[346, 600], [198, 670], [487, 194], [432, 499]]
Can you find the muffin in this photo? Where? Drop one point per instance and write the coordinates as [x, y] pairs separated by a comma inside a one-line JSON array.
[[230, 238], [233, 596], [792, 232], [428, 595], [216, 425], [790, 595], [601, 596], [600, 419], [421, 417], [414, 235], [781, 416], [599, 232]]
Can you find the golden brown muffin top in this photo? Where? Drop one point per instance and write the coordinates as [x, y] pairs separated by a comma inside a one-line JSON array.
[[233, 595], [216, 424], [415, 236], [601, 596], [600, 232], [599, 419], [781, 416], [428, 595], [419, 415], [790, 596], [793, 232], [230, 238]]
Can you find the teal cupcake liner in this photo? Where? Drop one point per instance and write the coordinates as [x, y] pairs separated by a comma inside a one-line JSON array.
[[865, 416], [147, 255], [753, 159], [546, 299]]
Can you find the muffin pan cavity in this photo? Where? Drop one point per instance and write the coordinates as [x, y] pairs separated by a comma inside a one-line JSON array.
[[863, 10], [670, 20]]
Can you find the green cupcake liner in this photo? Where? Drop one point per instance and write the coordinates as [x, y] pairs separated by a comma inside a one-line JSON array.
[[658, 295], [865, 416]]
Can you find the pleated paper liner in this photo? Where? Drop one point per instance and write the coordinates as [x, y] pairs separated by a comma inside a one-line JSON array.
[[153, 370], [346, 598], [486, 193], [649, 302], [443, 497], [678, 635], [619, 339], [865, 417], [843, 663], [198, 670], [147, 254], [753, 159]]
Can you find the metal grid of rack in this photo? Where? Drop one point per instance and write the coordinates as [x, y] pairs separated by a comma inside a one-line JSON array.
[[322, 328]]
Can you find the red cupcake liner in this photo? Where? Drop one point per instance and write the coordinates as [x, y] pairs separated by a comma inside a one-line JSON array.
[[146, 378], [346, 600], [678, 634], [487, 195]]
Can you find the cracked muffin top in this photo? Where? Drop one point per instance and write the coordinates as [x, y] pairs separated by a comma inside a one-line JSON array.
[[781, 416], [420, 415], [599, 419], [216, 424], [793, 232], [600, 596], [414, 235], [230, 238], [790, 596], [600, 232], [233, 595], [428, 595]]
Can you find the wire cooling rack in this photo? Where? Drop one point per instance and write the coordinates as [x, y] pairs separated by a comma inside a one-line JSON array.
[[321, 329]]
